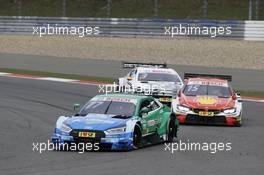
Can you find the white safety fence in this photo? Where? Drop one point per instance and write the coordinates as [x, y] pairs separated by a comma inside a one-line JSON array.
[[254, 30]]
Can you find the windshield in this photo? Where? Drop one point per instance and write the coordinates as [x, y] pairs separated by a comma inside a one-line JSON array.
[[108, 107], [158, 77], [197, 89]]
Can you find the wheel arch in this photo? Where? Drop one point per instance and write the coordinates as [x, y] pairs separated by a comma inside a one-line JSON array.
[[60, 120], [138, 124], [132, 124]]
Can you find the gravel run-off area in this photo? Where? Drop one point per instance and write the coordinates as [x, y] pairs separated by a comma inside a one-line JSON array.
[[202, 52]]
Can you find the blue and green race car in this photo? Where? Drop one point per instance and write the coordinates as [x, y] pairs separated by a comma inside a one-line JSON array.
[[118, 122]]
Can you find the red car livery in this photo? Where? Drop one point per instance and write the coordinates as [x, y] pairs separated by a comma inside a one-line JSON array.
[[208, 99]]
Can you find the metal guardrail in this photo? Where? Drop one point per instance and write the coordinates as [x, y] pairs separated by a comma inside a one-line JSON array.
[[249, 30], [254, 30]]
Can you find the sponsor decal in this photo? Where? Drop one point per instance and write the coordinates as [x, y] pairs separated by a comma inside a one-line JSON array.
[[165, 99], [210, 83], [87, 134], [204, 100], [215, 83], [151, 122], [91, 122], [198, 82], [116, 99], [158, 71], [206, 113]]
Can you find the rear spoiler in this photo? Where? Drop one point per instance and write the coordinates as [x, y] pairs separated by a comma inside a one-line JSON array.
[[133, 65], [194, 75]]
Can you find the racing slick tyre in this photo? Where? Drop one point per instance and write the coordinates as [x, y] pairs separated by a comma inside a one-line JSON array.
[[137, 138], [238, 124], [117, 88], [172, 131]]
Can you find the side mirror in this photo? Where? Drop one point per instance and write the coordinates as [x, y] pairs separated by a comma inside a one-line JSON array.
[[179, 93], [129, 78], [144, 110], [76, 106]]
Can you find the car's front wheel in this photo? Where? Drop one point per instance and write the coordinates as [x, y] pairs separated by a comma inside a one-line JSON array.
[[172, 131], [137, 137]]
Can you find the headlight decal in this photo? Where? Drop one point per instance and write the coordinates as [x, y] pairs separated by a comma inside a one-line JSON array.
[[65, 128], [116, 130], [183, 108], [230, 111]]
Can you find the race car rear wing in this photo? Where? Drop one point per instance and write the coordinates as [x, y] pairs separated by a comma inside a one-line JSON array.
[[194, 75], [133, 65]]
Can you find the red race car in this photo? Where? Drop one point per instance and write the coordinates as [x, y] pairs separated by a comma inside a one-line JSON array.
[[208, 99]]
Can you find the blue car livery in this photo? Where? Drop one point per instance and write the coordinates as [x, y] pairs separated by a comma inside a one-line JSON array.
[[118, 122]]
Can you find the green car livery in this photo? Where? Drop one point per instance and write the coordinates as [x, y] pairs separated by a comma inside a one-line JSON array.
[[119, 122]]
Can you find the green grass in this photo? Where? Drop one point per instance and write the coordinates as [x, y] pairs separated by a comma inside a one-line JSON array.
[[84, 8], [98, 79], [234, 9], [41, 8], [8, 8], [179, 9], [251, 93], [132, 9]]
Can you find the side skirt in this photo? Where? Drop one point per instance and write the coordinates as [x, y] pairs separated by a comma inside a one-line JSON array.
[[151, 139]]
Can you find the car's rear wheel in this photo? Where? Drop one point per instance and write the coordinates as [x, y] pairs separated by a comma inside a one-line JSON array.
[[120, 89], [137, 137], [116, 85]]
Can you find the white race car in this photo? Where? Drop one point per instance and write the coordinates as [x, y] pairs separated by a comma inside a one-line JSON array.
[[151, 79]]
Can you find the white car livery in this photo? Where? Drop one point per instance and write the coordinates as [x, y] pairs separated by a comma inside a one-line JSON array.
[[151, 79]]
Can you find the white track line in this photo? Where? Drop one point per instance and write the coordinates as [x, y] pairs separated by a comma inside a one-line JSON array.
[[251, 100], [63, 80], [57, 79]]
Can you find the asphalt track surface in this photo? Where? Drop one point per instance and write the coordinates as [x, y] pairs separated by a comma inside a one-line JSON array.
[[29, 110], [243, 79]]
